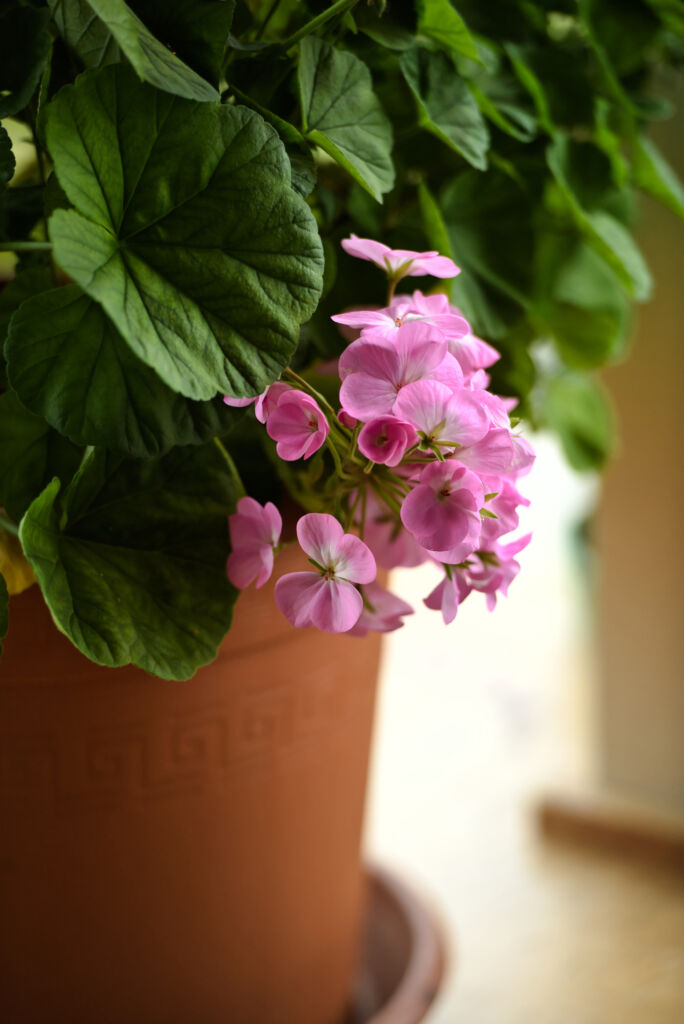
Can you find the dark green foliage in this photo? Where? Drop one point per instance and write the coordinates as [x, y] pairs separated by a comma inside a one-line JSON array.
[[208, 157]]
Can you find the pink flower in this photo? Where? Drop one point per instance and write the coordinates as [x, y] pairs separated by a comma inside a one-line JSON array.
[[254, 533], [448, 594], [298, 425], [326, 598], [440, 415], [498, 569], [443, 510], [399, 263], [382, 611], [392, 545], [386, 440], [268, 400], [374, 371], [430, 309]]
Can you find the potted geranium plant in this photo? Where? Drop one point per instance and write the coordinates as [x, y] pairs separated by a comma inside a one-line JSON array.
[[177, 307]]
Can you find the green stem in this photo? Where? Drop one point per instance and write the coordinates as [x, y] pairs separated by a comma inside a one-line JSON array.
[[271, 11], [320, 19], [239, 486], [24, 246], [336, 458], [8, 526]]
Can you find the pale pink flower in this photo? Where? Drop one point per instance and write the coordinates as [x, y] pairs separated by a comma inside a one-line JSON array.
[[431, 309], [448, 594], [472, 353], [298, 425], [505, 508], [375, 371], [390, 542], [254, 533], [498, 568], [443, 510], [398, 263], [382, 611], [326, 598], [386, 440], [442, 415]]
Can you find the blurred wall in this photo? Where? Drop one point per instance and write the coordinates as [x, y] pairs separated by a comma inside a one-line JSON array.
[[641, 528]]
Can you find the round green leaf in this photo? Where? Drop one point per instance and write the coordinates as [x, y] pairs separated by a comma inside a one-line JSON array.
[[186, 230], [69, 364], [132, 560]]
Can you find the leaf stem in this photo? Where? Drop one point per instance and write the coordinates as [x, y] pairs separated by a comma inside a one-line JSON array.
[[24, 246], [264, 25], [8, 526], [239, 486], [320, 19]]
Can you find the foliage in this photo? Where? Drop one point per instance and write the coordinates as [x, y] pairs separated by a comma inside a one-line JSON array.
[[195, 166]]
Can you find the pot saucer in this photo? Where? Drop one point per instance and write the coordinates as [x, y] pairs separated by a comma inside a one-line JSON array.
[[402, 960]]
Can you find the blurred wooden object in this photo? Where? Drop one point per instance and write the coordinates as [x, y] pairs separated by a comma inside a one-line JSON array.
[[638, 802]]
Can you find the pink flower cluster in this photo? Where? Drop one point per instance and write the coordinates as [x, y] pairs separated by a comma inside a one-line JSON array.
[[425, 464]]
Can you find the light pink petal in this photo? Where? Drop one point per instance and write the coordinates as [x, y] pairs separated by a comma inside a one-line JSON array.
[[238, 403], [364, 318], [294, 594], [354, 560], [253, 564], [319, 536], [382, 611], [336, 606], [366, 397], [435, 266], [266, 402], [436, 524], [422, 404], [445, 598], [492, 454], [449, 373], [466, 418], [366, 249]]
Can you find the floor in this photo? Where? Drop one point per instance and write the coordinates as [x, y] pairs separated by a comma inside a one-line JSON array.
[[475, 721]]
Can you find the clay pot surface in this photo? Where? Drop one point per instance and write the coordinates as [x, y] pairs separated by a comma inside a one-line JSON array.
[[182, 852]]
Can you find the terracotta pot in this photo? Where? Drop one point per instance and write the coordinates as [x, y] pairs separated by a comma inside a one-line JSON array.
[[182, 852]]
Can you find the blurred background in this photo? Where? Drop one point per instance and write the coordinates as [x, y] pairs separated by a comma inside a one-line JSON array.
[[528, 770]]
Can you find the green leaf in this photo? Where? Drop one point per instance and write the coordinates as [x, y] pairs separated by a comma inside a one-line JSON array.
[[577, 408], [445, 105], [24, 48], [69, 364], [132, 560], [27, 282], [433, 222], [342, 114], [186, 230], [4, 610], [438, 20], [6, 157], [654, 175], [531, 83], [31, 453], [153, 61], [489, 220], [586, 310], [510, 118], [195, 30], [382, 30], [611, 240], [84, 33]]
